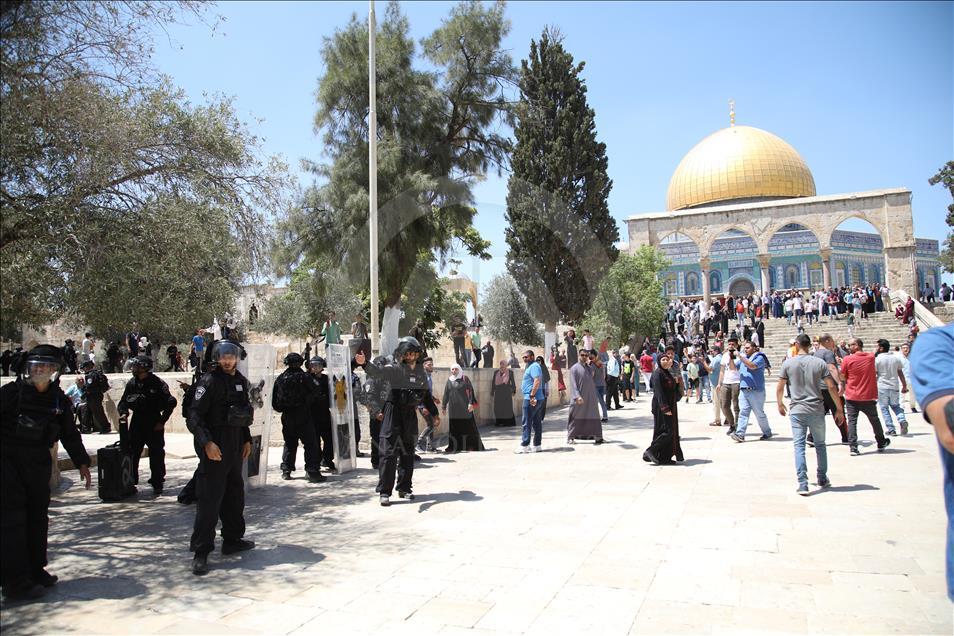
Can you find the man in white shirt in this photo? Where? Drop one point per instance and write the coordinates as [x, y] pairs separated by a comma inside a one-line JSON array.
[[729, 384], [889, 370], [903, 355]]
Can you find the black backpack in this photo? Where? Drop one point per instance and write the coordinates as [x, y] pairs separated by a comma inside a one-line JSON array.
[[289, 391]]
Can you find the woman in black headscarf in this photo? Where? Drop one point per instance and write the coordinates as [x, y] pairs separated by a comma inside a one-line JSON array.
[[461, 400], [502, 390], [665, 445]]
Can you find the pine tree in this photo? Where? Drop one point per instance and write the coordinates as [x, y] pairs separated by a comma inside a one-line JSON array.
[[561, 235]]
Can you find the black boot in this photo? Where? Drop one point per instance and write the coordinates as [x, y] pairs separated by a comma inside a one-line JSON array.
[[200, 564], [238, 545]]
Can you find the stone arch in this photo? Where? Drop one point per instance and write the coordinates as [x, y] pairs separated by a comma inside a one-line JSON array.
[[809, 222], [719, 231], [771, 235], [876, 224], [673, 243]]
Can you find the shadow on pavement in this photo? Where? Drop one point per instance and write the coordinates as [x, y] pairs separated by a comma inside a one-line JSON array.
[[262, 558], [431, 500], [693, 462], [854, 488]]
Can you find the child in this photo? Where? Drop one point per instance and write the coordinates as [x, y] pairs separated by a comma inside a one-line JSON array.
[[851, 324], [693, 370]]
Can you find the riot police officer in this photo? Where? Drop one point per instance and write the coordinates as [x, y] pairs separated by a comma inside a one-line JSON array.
[[219, 417], [34, 413], [320, 411], [152, 405], [292, 396], [407, 388], [96, 386], [375, 394]]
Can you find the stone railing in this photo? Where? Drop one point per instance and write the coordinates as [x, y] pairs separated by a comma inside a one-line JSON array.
[[925, 318], [480, 378]]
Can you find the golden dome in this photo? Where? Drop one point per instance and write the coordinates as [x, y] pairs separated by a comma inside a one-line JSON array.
[[739, 162]]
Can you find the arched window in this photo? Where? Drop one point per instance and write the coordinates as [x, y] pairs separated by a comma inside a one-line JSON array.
[[715, 282], [792, 276], [692, 284]]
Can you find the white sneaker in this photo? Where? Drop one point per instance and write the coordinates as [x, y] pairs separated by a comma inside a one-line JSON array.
[[521, 450], [536, 449]]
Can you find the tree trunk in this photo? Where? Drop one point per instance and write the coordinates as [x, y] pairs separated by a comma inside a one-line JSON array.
[[549, 337], [389, 329]]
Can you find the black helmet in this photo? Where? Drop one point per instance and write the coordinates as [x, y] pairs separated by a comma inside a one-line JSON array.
[[143, 362], [222, 348], [380, 361], [317, 361], [35, 365], [406, 345], [293, 359], [87, 364]]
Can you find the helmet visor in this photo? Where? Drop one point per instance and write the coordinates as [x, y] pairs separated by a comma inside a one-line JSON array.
[[225, 350], [40, 371]]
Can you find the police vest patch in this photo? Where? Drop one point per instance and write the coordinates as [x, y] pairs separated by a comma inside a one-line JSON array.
[[199, 393]]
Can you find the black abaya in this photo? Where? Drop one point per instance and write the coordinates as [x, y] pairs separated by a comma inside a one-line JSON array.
[[503, 401], [462, 427], [665, 445]]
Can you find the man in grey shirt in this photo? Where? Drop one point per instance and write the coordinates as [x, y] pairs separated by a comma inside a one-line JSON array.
[[890, 370], [804, 375], [826, 351]]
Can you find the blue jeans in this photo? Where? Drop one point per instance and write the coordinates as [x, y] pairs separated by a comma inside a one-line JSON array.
[[532, 420], [601, 394], [801, 424], [751, 400], [890, 400]]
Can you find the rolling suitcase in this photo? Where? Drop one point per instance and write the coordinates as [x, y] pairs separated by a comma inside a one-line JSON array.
[[116, 472]]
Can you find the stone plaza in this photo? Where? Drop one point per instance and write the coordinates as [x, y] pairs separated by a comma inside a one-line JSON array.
[[576, 539]]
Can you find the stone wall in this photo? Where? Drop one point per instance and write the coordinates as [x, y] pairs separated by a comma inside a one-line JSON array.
[[481, 379]]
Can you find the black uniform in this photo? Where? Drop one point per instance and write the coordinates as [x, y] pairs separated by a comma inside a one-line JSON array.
[[26, 466], [406, 389], [152, 405], [5, 359], [292, 396], [374, 395], [96, 387], [220, 412], [319, 410]]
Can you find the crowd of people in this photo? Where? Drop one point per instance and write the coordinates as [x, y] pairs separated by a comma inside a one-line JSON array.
[[694, 360]]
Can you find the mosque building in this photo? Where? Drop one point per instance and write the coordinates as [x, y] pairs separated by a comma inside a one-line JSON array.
[[743, 215]]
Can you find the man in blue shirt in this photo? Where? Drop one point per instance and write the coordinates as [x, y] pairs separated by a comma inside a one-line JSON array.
[[716, 365], [532, 388], [932, 371], [751, 366]]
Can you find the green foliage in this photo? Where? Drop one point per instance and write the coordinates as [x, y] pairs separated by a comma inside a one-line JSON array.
[[561, 235], [506, 315], [945, 176], [172, 267], [106, 165], [427, 299], [629, 302], [436, 139], [315, 289]]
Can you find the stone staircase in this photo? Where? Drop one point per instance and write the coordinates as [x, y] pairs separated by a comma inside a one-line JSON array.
[[883, 324]]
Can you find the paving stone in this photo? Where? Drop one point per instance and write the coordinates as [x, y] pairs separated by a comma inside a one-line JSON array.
[[583, 540]]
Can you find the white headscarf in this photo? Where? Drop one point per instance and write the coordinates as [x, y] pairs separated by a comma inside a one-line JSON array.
[[460, 373]]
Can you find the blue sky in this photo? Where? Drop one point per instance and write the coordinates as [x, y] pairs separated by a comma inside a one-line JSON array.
[[863, 91]]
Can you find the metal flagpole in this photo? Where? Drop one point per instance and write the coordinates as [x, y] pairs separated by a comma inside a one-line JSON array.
[[373, 180]]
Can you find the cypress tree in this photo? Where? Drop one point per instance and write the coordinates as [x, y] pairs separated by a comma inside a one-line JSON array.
[[561, 235]]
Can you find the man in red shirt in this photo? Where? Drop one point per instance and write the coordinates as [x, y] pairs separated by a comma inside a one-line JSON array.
[[860, 390], [645, 368]]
